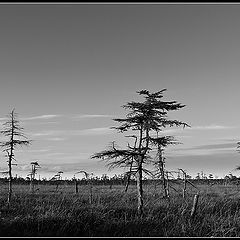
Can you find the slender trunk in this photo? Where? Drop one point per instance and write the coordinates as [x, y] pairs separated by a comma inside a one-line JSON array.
[[10, 165], [127, 184], [162, 171], [130, 171], [76, 186], [139, 176], [90, 191], [163, 179], [184, 184], [129, 176], [31, 180], [139, 190], [9, 184], [57, 185], [167, 185]]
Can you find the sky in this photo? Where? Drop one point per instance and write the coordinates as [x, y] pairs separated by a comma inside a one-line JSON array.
[[68, 69]]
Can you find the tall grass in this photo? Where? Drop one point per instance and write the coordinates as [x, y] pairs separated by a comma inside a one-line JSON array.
[[113, 213]]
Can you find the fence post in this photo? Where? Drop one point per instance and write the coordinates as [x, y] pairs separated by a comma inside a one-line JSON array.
[[194, 207], [184, 184], [76, 186]]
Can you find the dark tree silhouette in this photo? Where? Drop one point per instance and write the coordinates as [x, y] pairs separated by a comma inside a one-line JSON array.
[[161, 143], [14, 133], [34, 167], [147, 118], [57, 178], [89, 183]]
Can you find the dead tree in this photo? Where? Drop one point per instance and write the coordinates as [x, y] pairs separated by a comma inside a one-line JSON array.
[[89, 183], [57, 178], [34, 167], [162, 143], [146, 118], [76, 184], [184, 182], [14, 133], [129, 173]]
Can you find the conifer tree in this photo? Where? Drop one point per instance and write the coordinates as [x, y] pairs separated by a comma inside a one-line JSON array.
[[14, 134], [147, 118]]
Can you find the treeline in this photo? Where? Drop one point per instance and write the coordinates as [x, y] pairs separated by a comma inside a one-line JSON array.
[[119, 180]]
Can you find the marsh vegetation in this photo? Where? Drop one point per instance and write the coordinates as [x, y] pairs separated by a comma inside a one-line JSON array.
[[113, 212]]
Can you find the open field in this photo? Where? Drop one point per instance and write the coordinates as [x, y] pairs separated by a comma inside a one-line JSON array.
[[112, 212]]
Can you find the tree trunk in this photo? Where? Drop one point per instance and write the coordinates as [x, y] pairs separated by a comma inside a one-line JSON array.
[[184, 184], [9, 188], [90, 192], [162, 171], [139, 190], [31, 180], [10, 173], [167, 185], [76, 186]]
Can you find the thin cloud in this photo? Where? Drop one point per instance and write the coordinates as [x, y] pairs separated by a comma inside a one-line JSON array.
[[210, 127], [192, 128], [48, 116], [58, 134], [32, 150], [3, 119], [208, 149], [55, 139], [94, 131], [47, 133], [83, 116]]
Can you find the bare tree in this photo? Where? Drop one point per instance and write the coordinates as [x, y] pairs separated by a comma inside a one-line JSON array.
[[57, 177], [14, 133], [162, 143], [34, 167], [89, 183], [148, 118]]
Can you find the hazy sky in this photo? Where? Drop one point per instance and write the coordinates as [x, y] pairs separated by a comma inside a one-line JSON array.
[[68, 68]]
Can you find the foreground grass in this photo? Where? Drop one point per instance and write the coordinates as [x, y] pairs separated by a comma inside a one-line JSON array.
[[112, 213]]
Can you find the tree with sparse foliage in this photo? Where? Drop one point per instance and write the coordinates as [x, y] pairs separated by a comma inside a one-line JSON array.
[[34, 167], [14, 134], [148, 118]]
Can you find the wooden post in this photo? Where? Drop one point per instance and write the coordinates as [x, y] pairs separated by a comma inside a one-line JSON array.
[[184, 184], [167, 185], [91, 194], [139, 189], [194, 207], [76, 186]]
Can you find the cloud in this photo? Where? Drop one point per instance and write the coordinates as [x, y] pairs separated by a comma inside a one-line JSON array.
[[94, 131], [82, 116], [55, 139], [212, 146], [49, 116], [3, 119], [207, 149], [58, 134], [32, 150], [233, 139], [47, 133], [192, 128], [210, 127]]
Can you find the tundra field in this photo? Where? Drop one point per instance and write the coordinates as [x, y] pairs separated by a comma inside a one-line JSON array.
[[106, 210]]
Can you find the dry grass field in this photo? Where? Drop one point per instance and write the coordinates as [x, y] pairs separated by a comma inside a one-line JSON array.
[[111, 212]]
